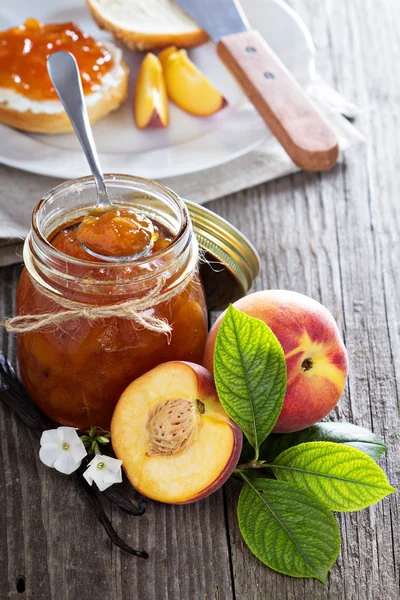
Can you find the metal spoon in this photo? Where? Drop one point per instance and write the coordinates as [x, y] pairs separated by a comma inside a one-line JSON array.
[[64, 74]]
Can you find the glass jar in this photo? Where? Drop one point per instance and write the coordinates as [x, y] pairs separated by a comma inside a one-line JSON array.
[[75, 370]]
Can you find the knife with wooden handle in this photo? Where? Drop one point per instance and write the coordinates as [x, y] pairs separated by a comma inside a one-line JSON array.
[[283, 104]]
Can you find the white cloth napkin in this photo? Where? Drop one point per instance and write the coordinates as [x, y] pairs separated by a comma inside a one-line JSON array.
[[20, 191]]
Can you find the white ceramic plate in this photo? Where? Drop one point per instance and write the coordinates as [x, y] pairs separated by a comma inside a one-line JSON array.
[[190, 143]]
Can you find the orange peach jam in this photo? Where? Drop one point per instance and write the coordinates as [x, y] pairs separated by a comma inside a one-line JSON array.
[[24, 51], [119, 232], [76, 372]]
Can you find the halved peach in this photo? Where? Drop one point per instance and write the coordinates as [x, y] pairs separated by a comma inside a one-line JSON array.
[[176, 441], [150, 101], [187, 86]]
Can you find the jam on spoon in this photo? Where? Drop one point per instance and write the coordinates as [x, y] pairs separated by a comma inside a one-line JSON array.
[[109, 232], [117, 232]]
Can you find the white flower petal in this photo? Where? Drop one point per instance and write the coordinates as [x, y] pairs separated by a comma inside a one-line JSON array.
[[88, 477], [50, 437], [113, 464], [54, 455], [111, 477], [96, 459], [66, 464], [70, 435], [92, 470], [78, 451], [104, 477], [60, 434], [102, 485], [49, 453]]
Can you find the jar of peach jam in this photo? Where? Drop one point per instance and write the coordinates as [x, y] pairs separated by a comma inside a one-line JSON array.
[[75, 366]]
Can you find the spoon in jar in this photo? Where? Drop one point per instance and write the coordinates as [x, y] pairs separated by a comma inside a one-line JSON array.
[[109, 232]]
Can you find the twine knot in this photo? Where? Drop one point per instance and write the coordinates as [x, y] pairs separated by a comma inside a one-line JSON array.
[[130, 309]]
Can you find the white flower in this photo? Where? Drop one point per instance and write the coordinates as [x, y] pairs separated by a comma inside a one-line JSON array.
[[104, 471], [62, 448]]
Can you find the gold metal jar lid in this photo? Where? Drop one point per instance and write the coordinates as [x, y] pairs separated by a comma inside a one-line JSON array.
[[229, 263]]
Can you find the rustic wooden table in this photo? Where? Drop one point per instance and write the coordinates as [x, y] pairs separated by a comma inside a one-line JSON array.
[[334, 237]]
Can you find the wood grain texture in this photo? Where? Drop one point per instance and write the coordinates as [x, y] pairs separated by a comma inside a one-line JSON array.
[[50, 539], [281, 101], [333, 236], [336, 237]]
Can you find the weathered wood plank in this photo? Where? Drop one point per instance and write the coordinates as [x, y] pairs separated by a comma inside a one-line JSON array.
[[336, 237], [50, 538]]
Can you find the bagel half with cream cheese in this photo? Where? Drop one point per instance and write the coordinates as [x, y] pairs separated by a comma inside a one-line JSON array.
[[48, 116]]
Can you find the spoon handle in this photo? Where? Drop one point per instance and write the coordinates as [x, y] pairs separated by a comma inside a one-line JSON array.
[[64, 73]]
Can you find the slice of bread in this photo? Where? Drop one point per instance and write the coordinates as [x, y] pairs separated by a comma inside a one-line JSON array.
[[147, 24], [48, 116]]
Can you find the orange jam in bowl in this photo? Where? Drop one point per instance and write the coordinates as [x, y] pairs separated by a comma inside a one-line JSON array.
[[24, 51], [75, 370]]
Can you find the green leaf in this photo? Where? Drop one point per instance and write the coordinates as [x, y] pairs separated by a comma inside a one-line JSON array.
[[343, 478], [341, 433], [250, 374], [86, 440], [288, 528], [94, 448], [259, 473], [102, 439]]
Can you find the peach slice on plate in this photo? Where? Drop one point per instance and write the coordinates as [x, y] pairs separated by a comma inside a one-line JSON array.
[[176, 442], [166, 53], [187, 86], [150, 100]]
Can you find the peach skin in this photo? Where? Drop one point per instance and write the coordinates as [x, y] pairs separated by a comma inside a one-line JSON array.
[[150, 100], [176, 442], [187, 86], [316, 358]]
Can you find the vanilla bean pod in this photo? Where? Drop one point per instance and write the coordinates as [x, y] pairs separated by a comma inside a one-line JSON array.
[[122, 503], [16, 398], [104, 520]]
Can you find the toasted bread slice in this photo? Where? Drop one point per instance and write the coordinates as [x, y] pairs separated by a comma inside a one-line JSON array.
[[147, 24], [48, 116]]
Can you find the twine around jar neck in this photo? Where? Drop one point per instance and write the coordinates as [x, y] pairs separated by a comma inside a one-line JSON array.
[[132, 310]]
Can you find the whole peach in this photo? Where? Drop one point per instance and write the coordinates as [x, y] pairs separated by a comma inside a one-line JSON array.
[[316, 358]]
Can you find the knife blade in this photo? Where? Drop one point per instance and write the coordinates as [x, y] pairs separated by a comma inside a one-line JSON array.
[[227, 17], [283, 104]]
